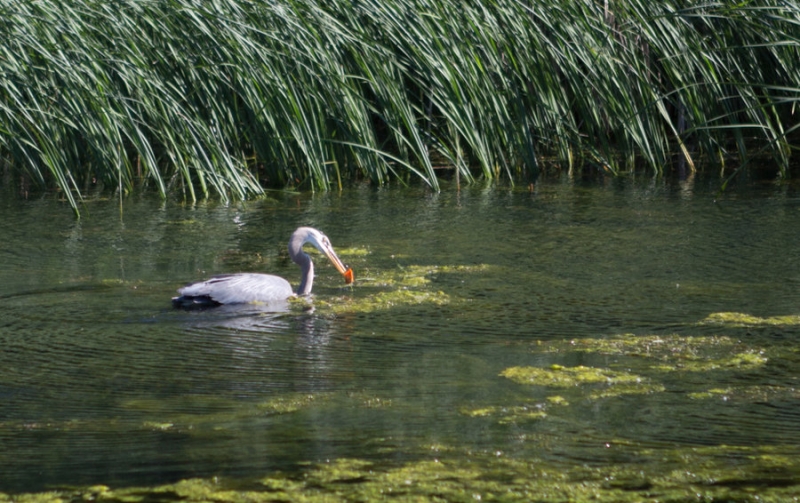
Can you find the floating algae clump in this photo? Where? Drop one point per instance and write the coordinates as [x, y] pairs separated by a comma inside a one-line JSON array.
[[479, 412], [650, 346], [399, 287], [671, 352], [637, 388], [616, 383], [557, 400], [202, 414], [44, 497], [403, 286], [345, 470], [508, 415], [566, 377], [353, 252], [382, 301], [738, 361], [288, 404], [419, 275], [746, 320], [759, 393]]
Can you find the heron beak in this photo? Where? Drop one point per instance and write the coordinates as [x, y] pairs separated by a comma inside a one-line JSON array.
[[344, 270]]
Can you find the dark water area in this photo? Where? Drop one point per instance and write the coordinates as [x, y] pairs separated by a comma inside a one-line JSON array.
[[102, 382]]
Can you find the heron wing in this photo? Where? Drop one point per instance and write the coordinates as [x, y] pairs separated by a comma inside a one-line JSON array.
[[240, 288]]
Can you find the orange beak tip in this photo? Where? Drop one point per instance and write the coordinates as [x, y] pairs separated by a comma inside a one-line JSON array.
[[348, 276]]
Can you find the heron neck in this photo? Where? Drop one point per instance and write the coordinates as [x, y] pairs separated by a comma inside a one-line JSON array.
[[307, 274]]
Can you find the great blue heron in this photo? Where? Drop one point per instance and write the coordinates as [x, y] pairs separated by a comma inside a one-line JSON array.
[[252, 287]]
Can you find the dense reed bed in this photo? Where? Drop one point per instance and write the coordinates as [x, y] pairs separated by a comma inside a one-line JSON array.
[[229, 97]]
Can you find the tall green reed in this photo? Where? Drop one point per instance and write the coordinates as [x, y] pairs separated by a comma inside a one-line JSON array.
[[228, 97]]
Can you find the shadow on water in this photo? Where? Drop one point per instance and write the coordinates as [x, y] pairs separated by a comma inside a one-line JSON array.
[[578, 330]]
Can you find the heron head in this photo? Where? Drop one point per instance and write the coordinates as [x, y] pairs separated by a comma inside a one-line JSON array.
[[321, 242]]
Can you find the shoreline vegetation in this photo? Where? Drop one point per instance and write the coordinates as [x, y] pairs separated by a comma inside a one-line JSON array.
[[229, 98]]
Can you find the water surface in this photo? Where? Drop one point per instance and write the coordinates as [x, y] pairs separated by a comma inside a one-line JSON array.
[[101, 382]]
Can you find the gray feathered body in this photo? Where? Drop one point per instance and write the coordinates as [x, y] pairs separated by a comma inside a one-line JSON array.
[[234, 289]]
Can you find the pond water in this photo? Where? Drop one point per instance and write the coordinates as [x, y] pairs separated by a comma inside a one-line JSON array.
[[577, 328]]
